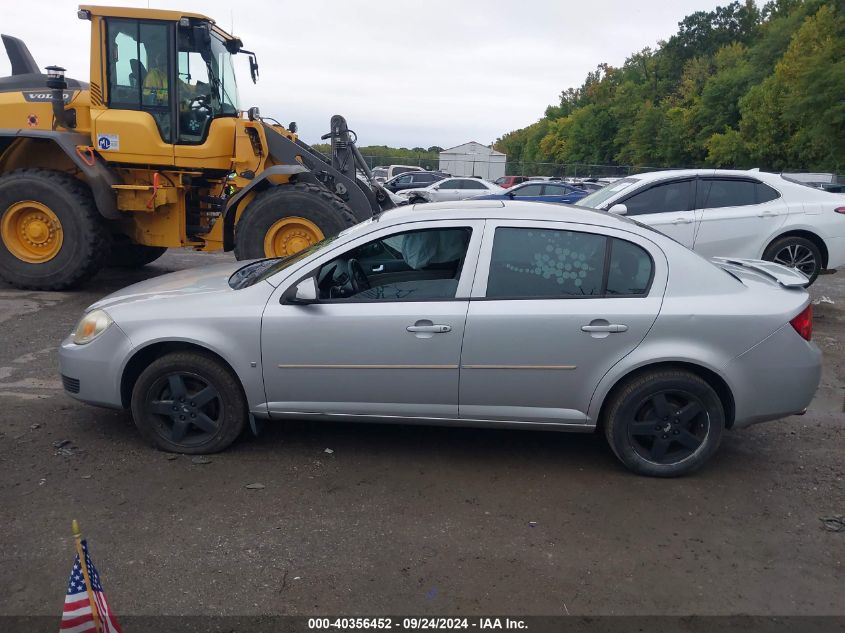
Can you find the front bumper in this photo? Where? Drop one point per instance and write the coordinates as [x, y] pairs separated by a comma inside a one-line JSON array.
[[776, 378], [92, 373]]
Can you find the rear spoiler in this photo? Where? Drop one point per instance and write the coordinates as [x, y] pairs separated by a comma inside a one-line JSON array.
[[786, 277]]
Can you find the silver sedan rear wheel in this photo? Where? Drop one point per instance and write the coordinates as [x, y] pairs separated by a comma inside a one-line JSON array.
[[664, 423]]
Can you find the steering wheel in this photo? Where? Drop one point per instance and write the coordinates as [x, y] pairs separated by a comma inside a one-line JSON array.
[[357, 277]]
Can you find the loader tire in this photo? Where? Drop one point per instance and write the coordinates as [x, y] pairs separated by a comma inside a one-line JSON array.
[[51, 235], [286, 219], [125, 254]]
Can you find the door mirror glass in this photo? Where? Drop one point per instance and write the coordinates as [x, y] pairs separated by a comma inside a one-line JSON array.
[[305, 292], [618, 209]]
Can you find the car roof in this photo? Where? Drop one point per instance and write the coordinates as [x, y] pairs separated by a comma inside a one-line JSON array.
[[681, 173], [506, 210]]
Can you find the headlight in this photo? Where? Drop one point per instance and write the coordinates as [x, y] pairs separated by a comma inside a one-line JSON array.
[[91, 326]]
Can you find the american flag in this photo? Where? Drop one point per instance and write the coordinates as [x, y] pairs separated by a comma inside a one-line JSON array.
[[77, 615]]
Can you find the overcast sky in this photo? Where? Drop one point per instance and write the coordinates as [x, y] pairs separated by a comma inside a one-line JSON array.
[[404, 73]]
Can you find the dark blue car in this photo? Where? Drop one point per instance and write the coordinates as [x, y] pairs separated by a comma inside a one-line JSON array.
[[539, 191]]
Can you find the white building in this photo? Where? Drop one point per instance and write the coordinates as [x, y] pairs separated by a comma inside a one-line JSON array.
[[473, 159]]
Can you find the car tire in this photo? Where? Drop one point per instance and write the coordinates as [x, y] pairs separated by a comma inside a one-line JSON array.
[[645, 431], [69, 241], [169, 416], [791, 251], [285, 219]]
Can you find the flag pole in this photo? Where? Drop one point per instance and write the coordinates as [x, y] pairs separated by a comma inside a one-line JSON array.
[[83, 563]]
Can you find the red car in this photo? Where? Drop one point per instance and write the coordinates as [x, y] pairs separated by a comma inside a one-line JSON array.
[[509, 181]]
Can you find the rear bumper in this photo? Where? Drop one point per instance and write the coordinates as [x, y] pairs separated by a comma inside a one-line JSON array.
[[835, 252], [91, 373], [776, 378]]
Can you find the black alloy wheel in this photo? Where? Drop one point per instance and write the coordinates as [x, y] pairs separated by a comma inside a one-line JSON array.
[[664, 422], [669, 427], [188, 408], [189, 402]]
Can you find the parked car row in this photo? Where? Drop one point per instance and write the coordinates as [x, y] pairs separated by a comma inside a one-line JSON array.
[[450, 189], [731, 213]]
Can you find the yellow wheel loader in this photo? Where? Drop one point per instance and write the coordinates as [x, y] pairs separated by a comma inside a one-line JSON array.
[[156, 152]]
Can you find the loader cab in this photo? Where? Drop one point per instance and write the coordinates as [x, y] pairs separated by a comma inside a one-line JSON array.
[[169, 95], [182, 74]]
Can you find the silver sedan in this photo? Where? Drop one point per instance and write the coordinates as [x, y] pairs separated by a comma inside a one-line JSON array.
[[487, 313]]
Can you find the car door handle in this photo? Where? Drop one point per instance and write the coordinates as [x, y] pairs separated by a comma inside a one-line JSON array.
[[681, 221], [610, 327], [378, 269], [434, 329], [766, 214]]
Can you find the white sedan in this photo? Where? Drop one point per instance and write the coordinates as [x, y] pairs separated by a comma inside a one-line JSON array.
[[451, 189], [728, 213]]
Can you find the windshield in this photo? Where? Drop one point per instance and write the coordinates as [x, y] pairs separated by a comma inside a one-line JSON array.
[[207, 87], [597, 198]]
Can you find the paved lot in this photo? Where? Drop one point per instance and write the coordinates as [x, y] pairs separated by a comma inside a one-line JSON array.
[[407, 519]]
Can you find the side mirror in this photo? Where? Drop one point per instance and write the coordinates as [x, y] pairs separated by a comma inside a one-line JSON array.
[[618, 209], [304, 293]]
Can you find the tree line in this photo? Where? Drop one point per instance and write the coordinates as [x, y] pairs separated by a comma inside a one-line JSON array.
[[736, 87]]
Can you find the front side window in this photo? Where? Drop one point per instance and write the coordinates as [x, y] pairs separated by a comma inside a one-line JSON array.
[[408, 266], [451, 184], [403, 180], [662, 198], [555, 264], [138, 72]]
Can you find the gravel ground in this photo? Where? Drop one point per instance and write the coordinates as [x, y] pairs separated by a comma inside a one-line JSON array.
[[400, 519]]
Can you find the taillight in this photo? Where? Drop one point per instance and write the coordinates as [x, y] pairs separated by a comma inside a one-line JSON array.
[[840, 210], [803, 323]]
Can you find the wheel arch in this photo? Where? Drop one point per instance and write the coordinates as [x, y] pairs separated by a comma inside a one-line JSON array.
[[712, 378], [143, 357], [807, 235], [266, 179], [61, 151]]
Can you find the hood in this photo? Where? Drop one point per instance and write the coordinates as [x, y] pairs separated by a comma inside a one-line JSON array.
[[202, 280]]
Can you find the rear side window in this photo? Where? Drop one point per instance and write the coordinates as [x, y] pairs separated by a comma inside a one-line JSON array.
[[630, 269], [663, 198], [473, 184], [528, 190], [715, 193], [553, 264], [765, 193], [545, 263]]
